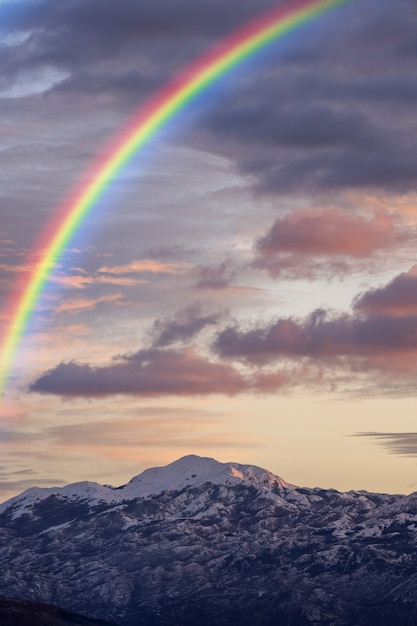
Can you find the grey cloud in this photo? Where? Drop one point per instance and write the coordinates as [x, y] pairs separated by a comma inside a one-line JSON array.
[[267, 122], [185, 325], [329, 124], [402, 444], [399, 297], [76, 35], [321, 337], [215, 276], [15, 486], [340, 169], [147, 373], [302, 123]]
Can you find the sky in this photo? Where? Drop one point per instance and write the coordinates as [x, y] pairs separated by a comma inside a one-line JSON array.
[[246, 289]]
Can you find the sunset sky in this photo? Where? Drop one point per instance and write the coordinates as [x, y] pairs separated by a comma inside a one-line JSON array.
[[247, 287]]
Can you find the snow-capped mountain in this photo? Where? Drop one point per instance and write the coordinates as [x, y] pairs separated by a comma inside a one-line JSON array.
[[190, 471], [209, 543]]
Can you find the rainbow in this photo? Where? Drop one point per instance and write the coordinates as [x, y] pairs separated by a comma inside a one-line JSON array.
[[150, 118]]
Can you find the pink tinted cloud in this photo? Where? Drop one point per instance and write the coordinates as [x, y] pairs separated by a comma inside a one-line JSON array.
[[303, 241]]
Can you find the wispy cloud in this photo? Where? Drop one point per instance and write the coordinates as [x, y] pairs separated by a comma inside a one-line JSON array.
[[216, 277], [402, 444], [76, 305], [186, 324], [82, 282]]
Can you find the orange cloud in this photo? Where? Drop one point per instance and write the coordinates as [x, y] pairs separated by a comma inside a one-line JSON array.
[[82, 304], [145, 266]]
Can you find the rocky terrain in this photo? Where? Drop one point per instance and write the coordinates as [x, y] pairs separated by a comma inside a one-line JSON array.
[[213, 544]]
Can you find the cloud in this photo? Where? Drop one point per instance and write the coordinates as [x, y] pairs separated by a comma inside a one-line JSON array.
[[156, 373], [81, 281], [389, 167], [397, 299], [107, 49], [16, 486], [328, 231], [145, 266], [402, 444], [315, 124], [215, 276], [120, 275], [377, 340], [307, 241], [83, 304], [147, 373], [264, 122], [185, 325], [326, 338], [180, 429]]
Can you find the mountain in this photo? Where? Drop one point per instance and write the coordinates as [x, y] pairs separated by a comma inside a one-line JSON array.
[[213, 544]]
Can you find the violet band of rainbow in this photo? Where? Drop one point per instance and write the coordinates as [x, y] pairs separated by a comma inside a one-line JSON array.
[[139, 131]]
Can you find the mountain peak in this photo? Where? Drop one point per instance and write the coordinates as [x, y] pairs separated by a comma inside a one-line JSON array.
[[193, 470], [188, 471]]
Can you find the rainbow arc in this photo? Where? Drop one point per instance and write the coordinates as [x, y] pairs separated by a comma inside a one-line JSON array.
[[152, 117]]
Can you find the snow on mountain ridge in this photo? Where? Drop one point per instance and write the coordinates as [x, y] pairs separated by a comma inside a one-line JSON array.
[[186, 472]]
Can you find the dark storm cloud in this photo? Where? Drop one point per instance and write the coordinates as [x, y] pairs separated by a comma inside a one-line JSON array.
[[331, 170], [111, 22], [328, 122], [103, 44], [185, 325], [402, 444], [400, 88], [316, 114], [266, 122]]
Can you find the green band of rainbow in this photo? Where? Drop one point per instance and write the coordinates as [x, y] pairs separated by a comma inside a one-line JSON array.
[[151, 118]]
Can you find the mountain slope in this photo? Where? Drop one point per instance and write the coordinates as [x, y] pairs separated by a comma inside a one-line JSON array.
[[24, 613], [214, 544]]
